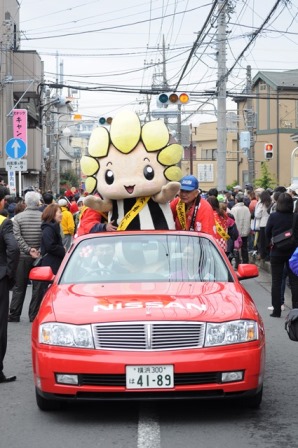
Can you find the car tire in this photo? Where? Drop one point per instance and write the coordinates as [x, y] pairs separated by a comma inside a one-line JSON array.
[[46, 405], [255, 401]]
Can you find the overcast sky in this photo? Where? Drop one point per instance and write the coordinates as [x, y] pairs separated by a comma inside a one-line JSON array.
[[118, 43]]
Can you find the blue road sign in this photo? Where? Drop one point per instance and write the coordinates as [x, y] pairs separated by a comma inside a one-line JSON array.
[[15, 148]]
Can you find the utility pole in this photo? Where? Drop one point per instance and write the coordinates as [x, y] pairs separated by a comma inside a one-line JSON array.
[[250, 127], [221, 97]]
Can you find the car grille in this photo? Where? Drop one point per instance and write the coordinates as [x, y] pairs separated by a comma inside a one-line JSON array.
[[180, 379], [140, 336]]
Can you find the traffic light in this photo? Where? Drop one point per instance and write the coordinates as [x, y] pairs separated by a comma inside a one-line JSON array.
[[268, 151], [104, 120], [164, 99]]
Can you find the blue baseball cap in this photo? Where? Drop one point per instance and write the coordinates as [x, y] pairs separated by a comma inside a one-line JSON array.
[[189, 183]]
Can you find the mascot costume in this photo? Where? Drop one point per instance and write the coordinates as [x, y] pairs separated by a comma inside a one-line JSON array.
[[133, 169]]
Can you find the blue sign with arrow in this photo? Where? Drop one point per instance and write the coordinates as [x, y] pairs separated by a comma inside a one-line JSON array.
[[16, 148]]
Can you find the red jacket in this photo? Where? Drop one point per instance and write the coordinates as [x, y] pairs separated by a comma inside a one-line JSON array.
[[204, 220], [90, 222]]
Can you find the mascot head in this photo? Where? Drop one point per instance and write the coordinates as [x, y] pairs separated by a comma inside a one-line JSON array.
[[131, 160]]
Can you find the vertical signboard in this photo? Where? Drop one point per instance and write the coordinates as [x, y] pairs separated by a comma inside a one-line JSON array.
[[12, 182], [20, 124], [20, 132]]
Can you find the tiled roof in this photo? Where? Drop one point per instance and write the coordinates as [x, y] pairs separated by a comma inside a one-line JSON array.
[[278, 80]]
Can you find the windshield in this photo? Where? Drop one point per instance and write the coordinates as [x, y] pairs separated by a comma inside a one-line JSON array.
[[145, 258]]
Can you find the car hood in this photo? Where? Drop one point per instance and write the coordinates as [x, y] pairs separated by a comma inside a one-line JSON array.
[[92, 303]]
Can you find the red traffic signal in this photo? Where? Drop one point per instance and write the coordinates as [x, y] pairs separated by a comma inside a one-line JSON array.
[[268, 151]]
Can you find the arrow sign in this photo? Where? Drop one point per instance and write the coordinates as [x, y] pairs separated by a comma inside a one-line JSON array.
[[15, 148]]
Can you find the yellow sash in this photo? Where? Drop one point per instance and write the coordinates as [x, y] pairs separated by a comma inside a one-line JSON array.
[[181, 214], [135, 210], [221, 231]]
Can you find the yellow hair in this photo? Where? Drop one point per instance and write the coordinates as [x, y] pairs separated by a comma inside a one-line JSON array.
[[125, 134]]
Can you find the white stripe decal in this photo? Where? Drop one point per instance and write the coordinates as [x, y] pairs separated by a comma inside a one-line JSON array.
[[148, 428]]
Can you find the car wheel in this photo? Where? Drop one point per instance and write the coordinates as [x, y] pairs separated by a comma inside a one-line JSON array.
[[46, 405], [255, 401]]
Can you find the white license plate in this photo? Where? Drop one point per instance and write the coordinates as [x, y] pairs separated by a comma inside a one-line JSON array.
[[150, 377]]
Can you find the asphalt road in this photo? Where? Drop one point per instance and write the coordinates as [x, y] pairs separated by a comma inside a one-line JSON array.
[[167, 425]]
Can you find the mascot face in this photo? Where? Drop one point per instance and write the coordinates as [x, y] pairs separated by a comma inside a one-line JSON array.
[[130, 175], [130, 161]]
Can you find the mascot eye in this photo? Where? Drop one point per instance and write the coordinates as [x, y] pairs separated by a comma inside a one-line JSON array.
[[109, 177], [148, 172]]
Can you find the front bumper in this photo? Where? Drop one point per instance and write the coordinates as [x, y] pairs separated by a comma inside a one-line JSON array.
[[196, 372]]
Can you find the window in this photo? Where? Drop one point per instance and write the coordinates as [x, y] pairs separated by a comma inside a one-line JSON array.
[[148, 258], [209, 154]]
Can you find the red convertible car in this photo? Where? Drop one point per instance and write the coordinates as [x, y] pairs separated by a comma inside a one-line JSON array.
[[147, 315]]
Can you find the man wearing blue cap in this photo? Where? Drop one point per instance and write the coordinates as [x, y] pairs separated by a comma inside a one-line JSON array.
[[190, 211]]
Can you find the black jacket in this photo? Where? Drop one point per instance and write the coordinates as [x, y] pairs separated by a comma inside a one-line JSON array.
[[51, 247], [277, 223], [9, 251]]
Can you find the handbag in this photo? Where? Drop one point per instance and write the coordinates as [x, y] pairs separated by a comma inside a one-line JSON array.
[[238, 243], [283, 240], [291, 325]]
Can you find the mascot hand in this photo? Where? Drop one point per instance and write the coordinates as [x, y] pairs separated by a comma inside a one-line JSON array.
[[98, 204], [167, 193]]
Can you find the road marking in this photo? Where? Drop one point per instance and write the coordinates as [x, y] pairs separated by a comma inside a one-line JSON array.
[[148, 427]]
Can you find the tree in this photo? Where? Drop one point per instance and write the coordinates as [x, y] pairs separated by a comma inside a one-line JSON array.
[[69, 179], [267, 180]]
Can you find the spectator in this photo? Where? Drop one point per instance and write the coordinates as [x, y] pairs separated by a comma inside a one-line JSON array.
[[272, 207], [252, 205], [51, 249], [4, 213], [293, 190], [248, 188], [221, 223], [236, 189], [47, 200], [190, 211], [27, 230], [262, 213], [10, 206], [242, 216], [277, 223], [67, 223], [280, 188], [252, 202], [78, 214], [230, 200], [232, 230], [9, 258], [20, 207], [73, 207], [4, 186], [213, 192]]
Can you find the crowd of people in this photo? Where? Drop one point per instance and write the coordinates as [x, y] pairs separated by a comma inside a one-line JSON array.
[[40, 229]]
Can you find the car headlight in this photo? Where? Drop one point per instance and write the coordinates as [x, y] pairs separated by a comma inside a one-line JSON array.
[[66, 335], [233, 332]]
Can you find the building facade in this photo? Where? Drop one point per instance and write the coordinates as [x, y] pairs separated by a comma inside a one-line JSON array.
[[271, 109], [21, 73]]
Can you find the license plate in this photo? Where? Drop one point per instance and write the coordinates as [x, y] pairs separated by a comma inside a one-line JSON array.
[[150, 377]]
